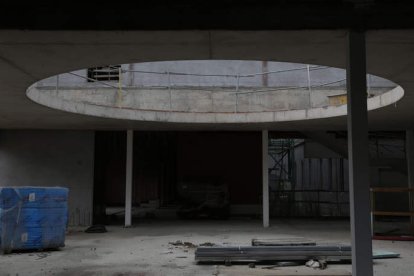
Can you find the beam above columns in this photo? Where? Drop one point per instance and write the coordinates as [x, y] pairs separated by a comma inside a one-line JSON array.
[[358, 155], [128, 182], [265, 177]]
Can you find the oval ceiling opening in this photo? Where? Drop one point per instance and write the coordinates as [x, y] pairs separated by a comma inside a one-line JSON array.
[[208, 91]]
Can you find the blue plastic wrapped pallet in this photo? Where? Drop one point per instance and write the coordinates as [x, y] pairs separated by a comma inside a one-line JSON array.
[[32, 218]]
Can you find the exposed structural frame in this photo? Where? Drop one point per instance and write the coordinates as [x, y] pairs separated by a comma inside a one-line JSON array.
[[358, 155], [358, 160]]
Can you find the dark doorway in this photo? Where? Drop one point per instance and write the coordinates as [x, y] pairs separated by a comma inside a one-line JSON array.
[[175, 171]]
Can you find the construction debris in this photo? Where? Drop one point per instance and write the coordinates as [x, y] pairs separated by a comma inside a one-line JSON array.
[[315, 256], [283, 264], [283, 242], [320, 264], [207, 244], [97, 228], [383, 254], [272, 253], [184, 244]]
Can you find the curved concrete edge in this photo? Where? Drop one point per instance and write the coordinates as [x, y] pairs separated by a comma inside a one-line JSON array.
[[385, 99]]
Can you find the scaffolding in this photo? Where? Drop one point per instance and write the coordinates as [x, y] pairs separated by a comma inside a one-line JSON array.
[[300, 187], [281, 151], [281, 174]]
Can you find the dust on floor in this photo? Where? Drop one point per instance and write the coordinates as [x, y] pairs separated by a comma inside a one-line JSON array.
[[155, 247]]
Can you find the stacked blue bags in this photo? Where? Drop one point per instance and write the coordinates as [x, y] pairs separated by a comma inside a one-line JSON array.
[[32, 218]]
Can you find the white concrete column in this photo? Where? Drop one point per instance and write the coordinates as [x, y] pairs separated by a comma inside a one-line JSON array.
[[409, 151], [358, 155], [265, 177], [128, 182]]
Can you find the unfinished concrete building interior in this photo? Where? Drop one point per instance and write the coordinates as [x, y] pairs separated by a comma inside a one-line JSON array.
[[204, 142]]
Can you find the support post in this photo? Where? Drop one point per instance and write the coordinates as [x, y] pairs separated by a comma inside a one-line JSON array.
[[409, 151], [265, 178], [358, 155], [128, 182], [309, 86], [169, 89]]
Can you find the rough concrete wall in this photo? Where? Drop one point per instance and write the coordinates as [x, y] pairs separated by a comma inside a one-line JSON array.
[[51, 158]]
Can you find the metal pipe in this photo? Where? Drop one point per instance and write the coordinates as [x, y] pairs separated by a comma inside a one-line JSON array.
[[289, 87], [309, 86], [229, 75]]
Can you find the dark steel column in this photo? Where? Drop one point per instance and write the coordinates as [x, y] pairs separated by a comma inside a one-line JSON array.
[[358, 155]]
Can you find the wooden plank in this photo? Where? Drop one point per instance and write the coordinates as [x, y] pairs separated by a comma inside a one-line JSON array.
[[391, 190], [398, 214], [338, 99]]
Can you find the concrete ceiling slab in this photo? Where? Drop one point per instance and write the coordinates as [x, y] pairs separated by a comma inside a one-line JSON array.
[[28, 56]]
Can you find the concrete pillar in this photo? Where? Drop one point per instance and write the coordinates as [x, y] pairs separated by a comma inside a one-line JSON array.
[[358, 155], [409, 151], [128, 182], [265, 177]]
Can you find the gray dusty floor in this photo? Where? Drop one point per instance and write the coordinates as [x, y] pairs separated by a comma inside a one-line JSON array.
[[145, 250]]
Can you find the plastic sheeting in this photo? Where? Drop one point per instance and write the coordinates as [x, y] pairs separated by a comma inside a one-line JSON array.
[[32, 217]]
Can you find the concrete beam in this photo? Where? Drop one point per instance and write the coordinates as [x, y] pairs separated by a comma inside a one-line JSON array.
[[128, 182], [358, 155], [265, 177]]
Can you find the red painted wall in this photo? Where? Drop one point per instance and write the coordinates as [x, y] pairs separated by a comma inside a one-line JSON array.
[[163, 159], [233, 157]]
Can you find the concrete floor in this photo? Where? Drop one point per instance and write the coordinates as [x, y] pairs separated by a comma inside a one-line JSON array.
[[145, 250]]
